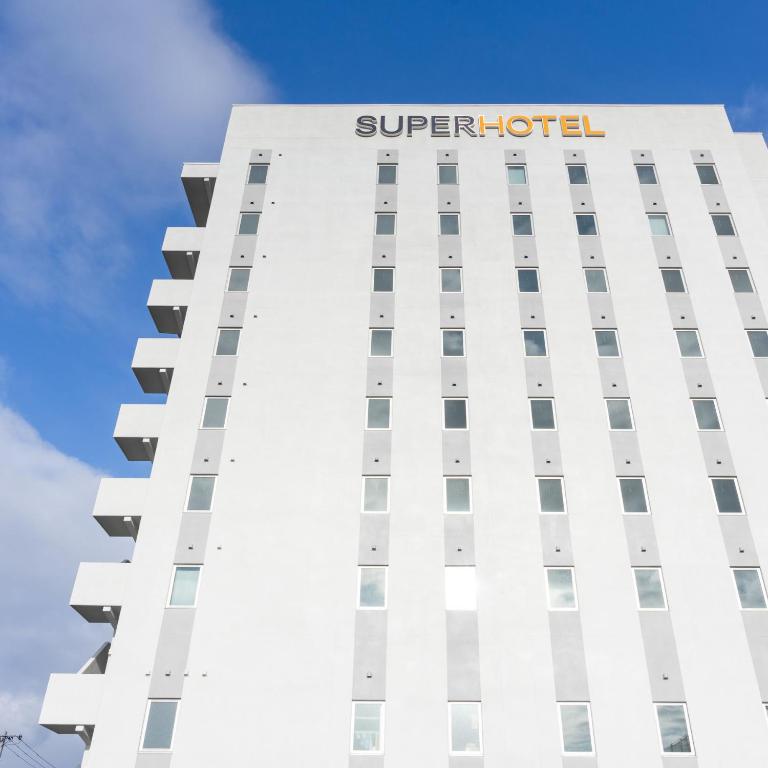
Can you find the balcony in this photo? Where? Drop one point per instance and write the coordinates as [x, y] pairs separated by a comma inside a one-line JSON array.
[[181, 248], [99, 590], [168, 301], [199, 179], [119, 505], [153, 363], [137, 430], [71, 704]]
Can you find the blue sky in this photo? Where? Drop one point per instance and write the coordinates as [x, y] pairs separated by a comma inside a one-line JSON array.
[[100, 103]]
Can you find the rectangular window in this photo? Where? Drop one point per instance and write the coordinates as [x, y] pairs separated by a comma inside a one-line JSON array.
[[646, 174], [576, 728], [650, 589], [453, 343], [586, 223], [535, 341], [215, 413], [239, 278], [707, 414], [159, 723], [228, 341], [674, 731], [577, 174], [597, 280], [385, 223], [372, 587], [758, 340], [741, 281], [551, 495], [723, 224], [727, 496], [383, 280], [447, 174], [200, 494], [659, 223], [460, 588], [183, 592], [528, 280], [381, 342], [689, 343], [450, 280], [379, 411], [516, 174], [543, 414], [368, 726], [249, 224], [522, 224], [607, 341], [466, 731], [376, 494], [458, 495], [386, 173], [619, 413], [673, 280], [449, 223], [750, 588], [561, 589], [454, 414], [634, 499], [257, 173], [707, 174]]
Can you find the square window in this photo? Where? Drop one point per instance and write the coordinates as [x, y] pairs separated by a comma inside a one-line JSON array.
[[561, 589], [758, 340], [376, 494], [707, 174], [607, 341], [535, 341], [586, 223], [449, 223], [597, 280], [228, 341], [673, 280], [257, 173], [378, 413], [215, 413], [528, 280], [674, 731], [543, 414], [386, 173], [727, 496], [706, 412], [447, 174], [522, 224], [689, 343], [723, 224], [659, 223], [183, 592], [466, 730], [458, 497], [453, 343], [741, 281], [381, 342], [634, 499], [372, 587], [516, 174], [159, 723], [650, 589], [575, 728], [383, 280], [200, 494], [454, 414], [577, 174], [249, 224], [460, 588], [646, 174], [450, 280], [238, 279], [619, 414], [385, 223], [551, 495], [750, 588], [368, 726]]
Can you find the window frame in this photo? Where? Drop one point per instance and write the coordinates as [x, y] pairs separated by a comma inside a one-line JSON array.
[[189, 492], [572, 570], [205, 407], [360, 606], [641, 478], [444, 214], [750, 331], [391, 342], [734, 233], [143, 735], [626, 400], [561, 481], [519, 270], [363, 510], [615, 332], [657, 568], [659, 215], [368, 414], [466, 413], [642, 183], [560, 705], [240, 219], [678, 270], [451, 751], [531, 400], [572, 183], [247, 270], [463, 333], [374, 270], [257, 165], [175, 568], [446, 478], [712, 400], [742, 509], [447, 183], [761, 581], [236, 353], [716, 183], [524, 166], [382, 708], [594, 219], [535, 330], [376, 218], [656, 705], [698, 339], [605, 276], [461, 279], [748, 272], [387, 183], [527, 215]]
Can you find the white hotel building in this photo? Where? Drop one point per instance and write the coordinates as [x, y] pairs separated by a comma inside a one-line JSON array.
[[464, 453]]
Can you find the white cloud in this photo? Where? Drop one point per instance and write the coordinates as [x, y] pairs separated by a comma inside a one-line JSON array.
[[752, 113]]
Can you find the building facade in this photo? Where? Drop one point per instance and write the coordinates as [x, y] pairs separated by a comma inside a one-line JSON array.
[[463, 456]]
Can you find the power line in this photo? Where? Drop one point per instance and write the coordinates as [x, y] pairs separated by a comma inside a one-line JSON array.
[[29, 748], [7, 739], [12, 749]]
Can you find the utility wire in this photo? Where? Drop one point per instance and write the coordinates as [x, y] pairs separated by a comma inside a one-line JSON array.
[[29, 748], [20, 755]]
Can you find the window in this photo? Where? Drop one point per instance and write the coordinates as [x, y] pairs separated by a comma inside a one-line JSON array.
[[238, 279], [750, 588], [516, 174], [257, 173], [727, 496], [673, 728], [619, 414], [577, 174], [633, 496], [460, 588], [607, 343], [387, 173], [454, 414], [522, 224], [528, 280], [200, 494], [759, 342], [673, 280], [543, 414], [706, 412], [453, 343], [184, 586], [378, 413], [375, 494], [447, 174], [466, 732], [597, 280], [561, 590], [372, 587], [586, 223], [458, 497], [249, 224], [551, 496], [707, 174], [659, 224], [689, 343], [741, 280], [646, 174], [385, 223], [576, 727], [650, 589], [450, 280], [367, 726], [159, 723], [535, 341], [723, 224], [383, 280], [215, 413], [449, 223], [227, 341], [381, 342]]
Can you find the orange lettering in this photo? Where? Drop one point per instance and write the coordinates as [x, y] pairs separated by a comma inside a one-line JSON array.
[[498, 125], [567, 126], [519, 119]]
